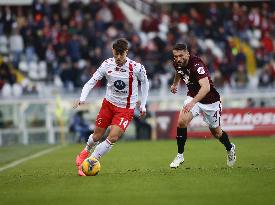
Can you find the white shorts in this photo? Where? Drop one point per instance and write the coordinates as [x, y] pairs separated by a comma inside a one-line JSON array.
[[211, 112]]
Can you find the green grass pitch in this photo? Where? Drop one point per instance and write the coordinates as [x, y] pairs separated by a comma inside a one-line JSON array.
[[138, 173]]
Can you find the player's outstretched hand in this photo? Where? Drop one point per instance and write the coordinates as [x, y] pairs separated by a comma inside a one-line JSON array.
[[78, 103], [188, 107], [142, 112], [174, 88]]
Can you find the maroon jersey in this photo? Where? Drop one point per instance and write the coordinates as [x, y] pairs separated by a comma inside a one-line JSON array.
[[192, 73]]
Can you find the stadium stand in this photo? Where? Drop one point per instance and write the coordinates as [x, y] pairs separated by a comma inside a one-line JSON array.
[[62, 44]]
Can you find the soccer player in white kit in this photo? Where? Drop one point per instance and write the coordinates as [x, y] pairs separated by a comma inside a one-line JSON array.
[[117, 109]]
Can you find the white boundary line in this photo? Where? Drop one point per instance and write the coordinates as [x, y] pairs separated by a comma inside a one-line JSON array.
[[38, 154]]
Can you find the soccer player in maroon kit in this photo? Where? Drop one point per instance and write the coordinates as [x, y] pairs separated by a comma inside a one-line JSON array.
[[202, 97]]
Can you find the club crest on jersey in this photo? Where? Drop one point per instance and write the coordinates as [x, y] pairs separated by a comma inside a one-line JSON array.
[[201, 70], [186, 79], [119, 84]]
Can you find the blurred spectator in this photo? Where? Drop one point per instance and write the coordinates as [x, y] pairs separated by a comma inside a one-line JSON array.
[[227, 69], [105, 14], [66, 75], [1, 120], [265, 77], [50, 57], [6, 76], [16, 46], [240, 57], [150, 24], [262, 103], [267, 43], [143, 128], [8, 81], [272, 67], [117, 14], [250, 103], [64, 11], [74, 48], [218, 79], [7, 18], [80, 127], [240, 77], [4, 45]]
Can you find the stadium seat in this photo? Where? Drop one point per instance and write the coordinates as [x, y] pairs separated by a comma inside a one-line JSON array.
[[6, 90], [4, 45], [42, 70], [23, 66], [17, 90], [33, 67]]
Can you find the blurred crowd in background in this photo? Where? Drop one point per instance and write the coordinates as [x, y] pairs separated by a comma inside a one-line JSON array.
[[61, 45]]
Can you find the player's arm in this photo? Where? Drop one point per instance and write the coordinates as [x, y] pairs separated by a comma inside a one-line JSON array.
[[142, 76], [98, 75], [205, 88], [175, 83], [176, 79]]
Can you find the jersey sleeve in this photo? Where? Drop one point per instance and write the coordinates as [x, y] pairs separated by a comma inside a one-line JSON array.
[[141, 73], [98, 75], [200, 70], [144, 86], [100, 72]]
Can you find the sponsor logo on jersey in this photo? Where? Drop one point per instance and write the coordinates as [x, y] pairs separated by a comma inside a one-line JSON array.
[[120, 69], [121, 91], [119, 84], [201, 70]]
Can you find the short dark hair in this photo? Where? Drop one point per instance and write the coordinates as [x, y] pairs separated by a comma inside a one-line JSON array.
[[120, 45], [180, 46]]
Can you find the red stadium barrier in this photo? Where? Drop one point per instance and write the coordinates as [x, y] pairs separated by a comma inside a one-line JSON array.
[[237, 122]]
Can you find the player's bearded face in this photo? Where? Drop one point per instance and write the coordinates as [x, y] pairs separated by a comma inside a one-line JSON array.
[[120, 57], [181, 57]]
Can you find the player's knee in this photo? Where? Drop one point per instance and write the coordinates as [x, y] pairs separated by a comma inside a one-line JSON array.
[[93, 138], [217, 134], [96, 137], [183, 122], [90, 140], [113, 138]]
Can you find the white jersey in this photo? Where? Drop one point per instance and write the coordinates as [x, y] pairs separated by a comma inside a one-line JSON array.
[[122, 83]]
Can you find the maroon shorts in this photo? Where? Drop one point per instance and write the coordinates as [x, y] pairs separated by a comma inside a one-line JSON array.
[[110, 114]]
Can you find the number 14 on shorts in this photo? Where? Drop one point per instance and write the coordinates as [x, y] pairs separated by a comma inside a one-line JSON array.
[[123, 122]]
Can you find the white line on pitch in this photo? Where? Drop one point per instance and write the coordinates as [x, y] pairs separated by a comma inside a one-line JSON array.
[[38, 154]]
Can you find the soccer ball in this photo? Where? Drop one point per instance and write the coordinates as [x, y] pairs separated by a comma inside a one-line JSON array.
[[90, 166]]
